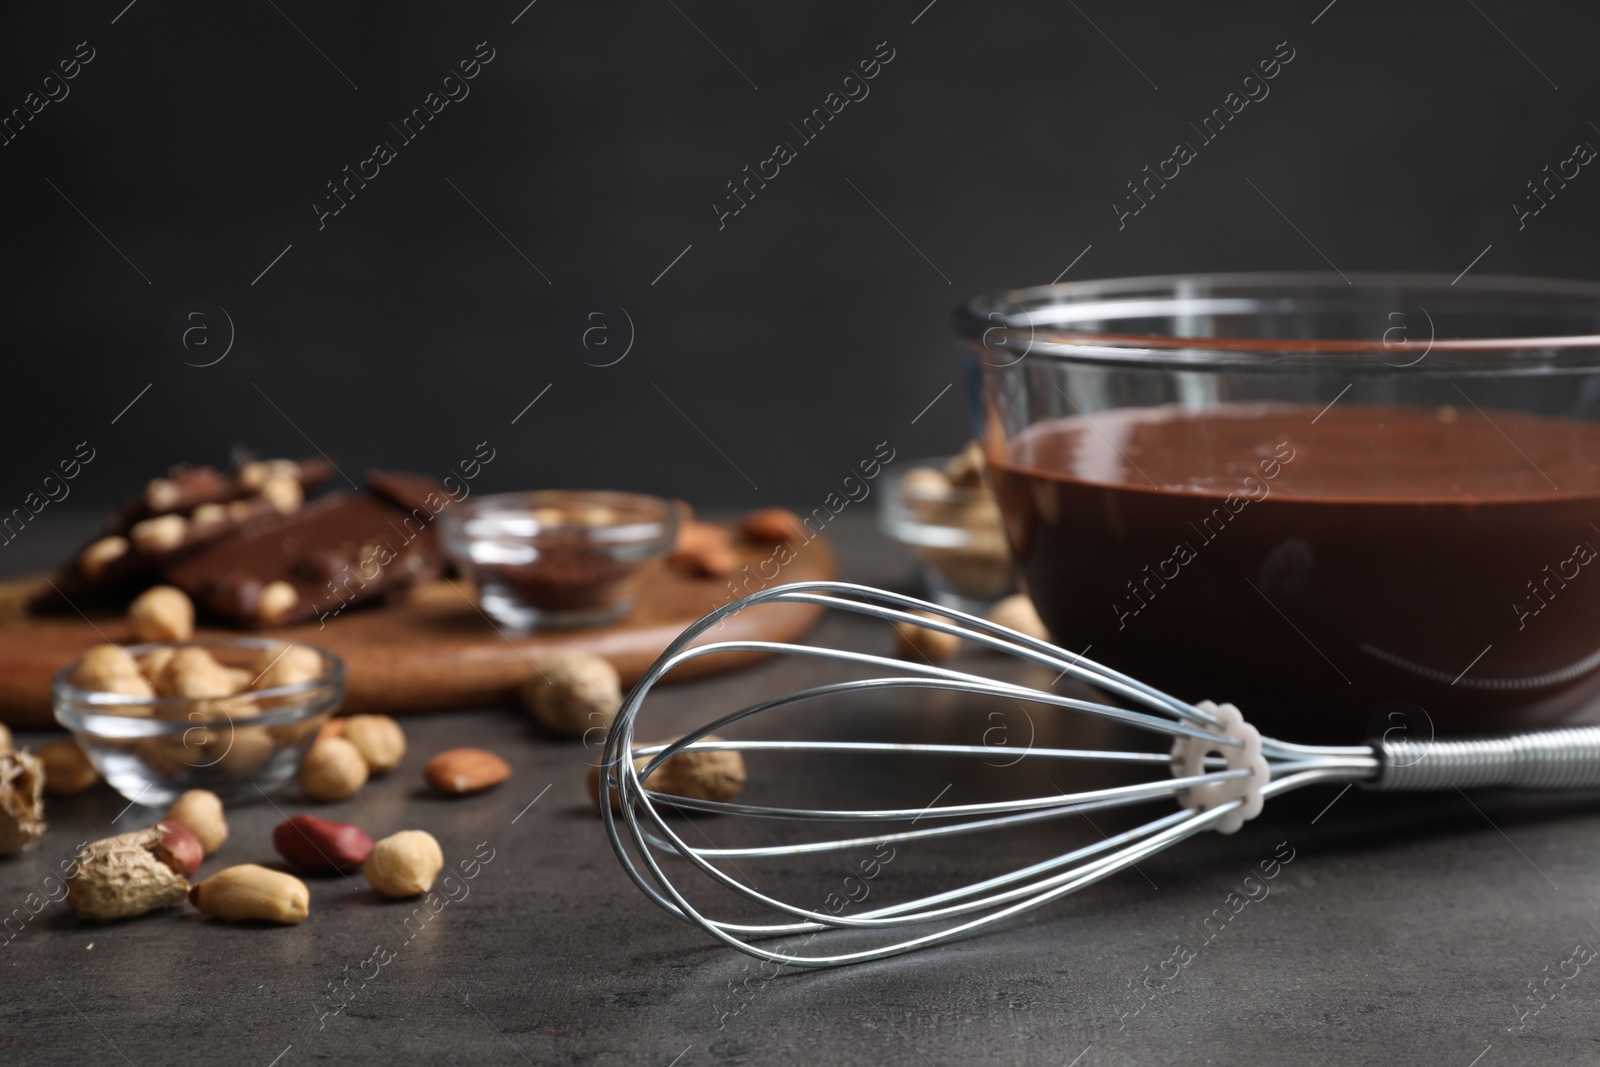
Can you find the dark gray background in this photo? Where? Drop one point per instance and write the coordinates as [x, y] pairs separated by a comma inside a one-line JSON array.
[[597, 141]]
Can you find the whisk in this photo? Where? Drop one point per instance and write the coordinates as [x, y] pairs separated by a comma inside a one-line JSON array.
[[1221, 770]]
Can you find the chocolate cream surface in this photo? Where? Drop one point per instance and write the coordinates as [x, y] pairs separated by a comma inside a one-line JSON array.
[[1329, 571]]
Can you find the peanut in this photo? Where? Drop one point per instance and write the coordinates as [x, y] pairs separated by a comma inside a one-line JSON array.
[[245, 748], [404, 864], [21, 801], [162, 493], [966, 468], [161, 613], [153, 664], [253, 475], [921, 643], [459, 771], [287, 665], [284, 494], [66, 769], [248, 891], [160, 534], [194, 672], [124, 876], [379, 739], [93, 560], [699, 774], [179, 848], [332, 770], [201, 811], [208, 515], [1018, 613], [6, 744], [574, 693], [109, 669], [321, 846], [276, 601], [925, 482]]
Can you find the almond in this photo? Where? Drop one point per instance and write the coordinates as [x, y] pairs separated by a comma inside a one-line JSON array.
[[705, 548], [320, 845], [772, 526], [465, 770]]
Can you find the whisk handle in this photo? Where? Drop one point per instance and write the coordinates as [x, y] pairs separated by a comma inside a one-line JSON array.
[[1564, 758]]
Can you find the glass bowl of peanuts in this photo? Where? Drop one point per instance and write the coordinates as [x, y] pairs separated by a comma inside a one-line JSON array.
[[233, 715], [558, 558], [942, 513]]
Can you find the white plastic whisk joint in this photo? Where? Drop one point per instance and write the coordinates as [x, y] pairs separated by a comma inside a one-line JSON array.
[[1189, 760]]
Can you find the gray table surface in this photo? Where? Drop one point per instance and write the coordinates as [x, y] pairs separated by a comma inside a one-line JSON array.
[[1405, 929]]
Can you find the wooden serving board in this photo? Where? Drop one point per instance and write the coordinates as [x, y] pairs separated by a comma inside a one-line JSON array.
[[436, 650]]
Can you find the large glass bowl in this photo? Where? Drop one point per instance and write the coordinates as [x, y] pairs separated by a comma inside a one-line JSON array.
[[1336, 502]]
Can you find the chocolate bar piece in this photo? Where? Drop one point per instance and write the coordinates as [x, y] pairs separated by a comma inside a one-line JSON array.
[[409, 492], [340, 551]]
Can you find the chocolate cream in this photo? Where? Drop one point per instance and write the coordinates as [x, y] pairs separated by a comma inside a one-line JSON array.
[[1324, 570]]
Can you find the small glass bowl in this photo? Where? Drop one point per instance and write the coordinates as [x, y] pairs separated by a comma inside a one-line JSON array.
[[952, 534], [151, 749], [558, 558]]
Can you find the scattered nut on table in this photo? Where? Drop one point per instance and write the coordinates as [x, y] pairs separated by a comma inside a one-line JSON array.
[[458, 771], [249, 891], [332, 770], [699, 774], [66, 769], [379, 739], [126, 875], [21, 800], [1017, 612], [201, 811], [6, 744], [320, 845], [161, 613], [404, 864], [922, 644], [574, 693]]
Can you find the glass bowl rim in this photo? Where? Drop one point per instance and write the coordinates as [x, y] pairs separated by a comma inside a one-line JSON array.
[[662, 527], [1014, 313]]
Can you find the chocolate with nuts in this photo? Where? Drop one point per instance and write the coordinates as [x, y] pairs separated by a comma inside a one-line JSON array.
[[337, 552]]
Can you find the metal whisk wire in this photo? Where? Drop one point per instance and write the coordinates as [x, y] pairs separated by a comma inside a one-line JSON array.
[[1222, 770]]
